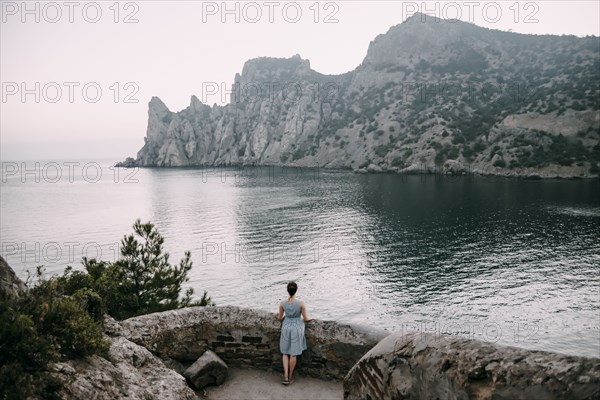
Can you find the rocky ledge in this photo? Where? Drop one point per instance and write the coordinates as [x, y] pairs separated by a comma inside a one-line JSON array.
[[427, 366], [163, 355], [246, 338], [167, 355]]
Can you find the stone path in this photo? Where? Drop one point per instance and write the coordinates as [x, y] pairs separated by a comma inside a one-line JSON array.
[[260, 385]]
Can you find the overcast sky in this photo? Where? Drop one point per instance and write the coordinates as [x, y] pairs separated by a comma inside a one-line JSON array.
[[126, 53]]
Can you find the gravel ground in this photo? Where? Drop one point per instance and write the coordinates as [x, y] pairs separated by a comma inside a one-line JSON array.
[[245, 384]]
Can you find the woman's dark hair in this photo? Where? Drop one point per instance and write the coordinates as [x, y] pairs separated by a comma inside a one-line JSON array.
[[291, 288]]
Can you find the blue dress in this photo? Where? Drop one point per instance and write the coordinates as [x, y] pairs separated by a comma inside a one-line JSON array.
[[293, 341]]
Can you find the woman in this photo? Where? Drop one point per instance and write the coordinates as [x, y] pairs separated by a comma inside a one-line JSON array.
[[293, 341]]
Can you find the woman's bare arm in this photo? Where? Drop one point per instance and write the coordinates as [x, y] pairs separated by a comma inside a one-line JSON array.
[[280, 316], [304, 314]]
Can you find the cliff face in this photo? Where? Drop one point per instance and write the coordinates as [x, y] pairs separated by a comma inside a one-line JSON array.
[[428, 96]]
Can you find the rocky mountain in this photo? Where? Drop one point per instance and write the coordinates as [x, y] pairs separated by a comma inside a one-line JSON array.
[[430, 95]]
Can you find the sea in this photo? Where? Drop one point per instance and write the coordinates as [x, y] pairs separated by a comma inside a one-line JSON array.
[[508, 261]]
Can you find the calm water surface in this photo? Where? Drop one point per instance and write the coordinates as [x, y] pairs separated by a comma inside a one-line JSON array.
[[507, 261]]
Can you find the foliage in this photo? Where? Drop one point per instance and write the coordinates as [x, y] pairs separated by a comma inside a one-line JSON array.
[[142, 281], [62, 317], [538, 149], [39, 328], [500, 163]]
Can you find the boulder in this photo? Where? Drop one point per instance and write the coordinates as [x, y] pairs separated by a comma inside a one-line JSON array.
[[133, 374], [374, 168], [454, 167], [128, 163], [209, 369], [428, 366]]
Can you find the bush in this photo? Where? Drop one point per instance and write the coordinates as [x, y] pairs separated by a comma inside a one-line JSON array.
[[298, 154], [453, 153], [61, 317], [142, 281], [65, 317], [381, 151], [397, 162], [43, 326], [500, 163]]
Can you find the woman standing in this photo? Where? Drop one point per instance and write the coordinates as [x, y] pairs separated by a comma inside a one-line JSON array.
[[293, 341]]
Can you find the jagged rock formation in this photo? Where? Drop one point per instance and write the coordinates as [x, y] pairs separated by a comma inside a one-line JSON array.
[[133, 373], [9, 281], [426, 93], [428, 366]]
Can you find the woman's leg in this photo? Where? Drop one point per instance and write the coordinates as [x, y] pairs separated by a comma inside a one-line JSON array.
[[285, 359], [292, 366]]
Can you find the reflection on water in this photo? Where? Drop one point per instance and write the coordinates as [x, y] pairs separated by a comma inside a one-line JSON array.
[[509, 261]]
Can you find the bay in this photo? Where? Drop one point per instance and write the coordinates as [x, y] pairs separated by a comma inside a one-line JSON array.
[[507, 261]]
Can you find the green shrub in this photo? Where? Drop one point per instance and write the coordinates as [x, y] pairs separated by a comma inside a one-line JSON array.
[[61, 317], [453, 153], [298, 154], [25, 354], [39, 328], [381, 151]]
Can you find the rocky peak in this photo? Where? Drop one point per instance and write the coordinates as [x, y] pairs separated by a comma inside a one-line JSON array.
[[419, 37], [197, 107], [159, 118], [267, 69], [157, 106], [371, 118]]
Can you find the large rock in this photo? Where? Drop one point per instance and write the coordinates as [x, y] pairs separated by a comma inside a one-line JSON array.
[[426, 366], [454, 167], [9, 281], [248, 339], [133, 374], [209, 369]]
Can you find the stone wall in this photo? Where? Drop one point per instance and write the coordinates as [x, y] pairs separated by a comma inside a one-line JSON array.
[[246, 338], [426, 366]]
